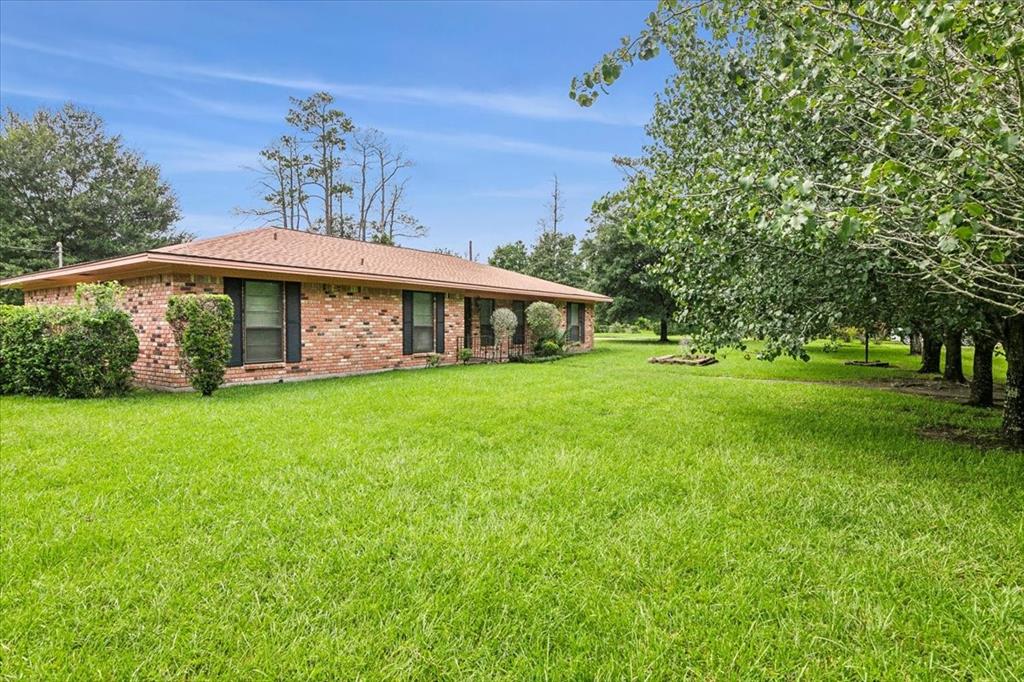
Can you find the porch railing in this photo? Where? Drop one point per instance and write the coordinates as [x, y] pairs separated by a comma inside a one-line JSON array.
[[487, 348]]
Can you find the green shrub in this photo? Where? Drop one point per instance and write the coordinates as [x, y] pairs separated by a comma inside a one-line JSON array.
[[544, 320], [66, 351], [547, 348], [202, 331], [465, 355], [101, 295], [434, 360], [504, 323]]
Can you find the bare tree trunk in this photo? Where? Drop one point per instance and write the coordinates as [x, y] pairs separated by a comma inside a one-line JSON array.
[[362, 197], [383, 188], [328, 170], [1013, 407], [664, 330], [954, 370], [931, 353], [981, 381], [556, 207]]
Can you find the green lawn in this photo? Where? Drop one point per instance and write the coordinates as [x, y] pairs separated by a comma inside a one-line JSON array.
[[597, 517]]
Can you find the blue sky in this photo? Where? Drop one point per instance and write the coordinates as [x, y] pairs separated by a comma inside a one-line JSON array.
[[475, 93]]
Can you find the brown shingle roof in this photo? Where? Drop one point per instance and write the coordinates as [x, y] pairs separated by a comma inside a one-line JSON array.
[[276, 250]]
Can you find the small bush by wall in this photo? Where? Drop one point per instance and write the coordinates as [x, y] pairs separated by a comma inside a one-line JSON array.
[[66, 351], [547, 348], [543, 320], [202, 331]]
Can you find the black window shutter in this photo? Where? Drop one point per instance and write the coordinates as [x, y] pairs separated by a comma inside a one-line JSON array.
[[439, 323], [407, 323], [293, 321], [233, 290], [583, 322]]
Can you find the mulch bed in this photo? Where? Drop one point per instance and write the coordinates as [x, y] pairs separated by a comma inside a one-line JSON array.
[[961, 436], [869, 363], [693, 360]]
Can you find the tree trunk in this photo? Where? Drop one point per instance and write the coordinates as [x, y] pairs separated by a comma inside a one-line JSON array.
[[664, 330], [867, 343], [915, 343], [1013, 407], [931, 351], [954, 370], [981, 381]]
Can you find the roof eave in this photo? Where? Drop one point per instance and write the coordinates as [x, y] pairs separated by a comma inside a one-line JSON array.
[[109, 268]]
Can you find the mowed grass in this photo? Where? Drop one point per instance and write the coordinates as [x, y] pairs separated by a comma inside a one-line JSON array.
[[593, 518]]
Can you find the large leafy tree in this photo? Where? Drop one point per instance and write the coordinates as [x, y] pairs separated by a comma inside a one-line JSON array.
[[512, 256], [64, 179], [622, 265], [802, 145], [553, 256]]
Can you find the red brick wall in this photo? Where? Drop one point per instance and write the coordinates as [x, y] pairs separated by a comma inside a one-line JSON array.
[[348, 330], [588, 312], [146, 302], [345, 329]]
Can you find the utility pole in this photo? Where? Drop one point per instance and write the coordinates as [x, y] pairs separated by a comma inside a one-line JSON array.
[[60, 255], [471, 249]]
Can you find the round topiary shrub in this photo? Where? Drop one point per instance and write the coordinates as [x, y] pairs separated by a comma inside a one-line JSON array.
[[504, 323], [544, 322], [202, 331], [543, 319]]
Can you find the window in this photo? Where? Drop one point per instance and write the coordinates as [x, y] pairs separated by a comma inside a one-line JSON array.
[[574, 323], [422, 322], [263, 322], [519, 308], [486, 330]]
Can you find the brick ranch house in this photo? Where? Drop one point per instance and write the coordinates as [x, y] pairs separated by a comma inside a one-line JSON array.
[[308, 305]]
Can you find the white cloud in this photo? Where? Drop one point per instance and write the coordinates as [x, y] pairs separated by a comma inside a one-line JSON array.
[[553, 106], [496, 143], [542, 191], [234, 110], [208, 224], [187, 154], [34, 93]]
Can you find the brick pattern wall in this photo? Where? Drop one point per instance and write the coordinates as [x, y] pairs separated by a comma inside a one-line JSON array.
[[345, 330], [349, 330], [588, 312], [146, 302]]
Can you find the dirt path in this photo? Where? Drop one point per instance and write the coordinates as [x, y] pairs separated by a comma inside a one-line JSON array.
[[931, 388]]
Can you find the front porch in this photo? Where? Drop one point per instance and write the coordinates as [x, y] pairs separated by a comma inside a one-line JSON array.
[[486, 348]]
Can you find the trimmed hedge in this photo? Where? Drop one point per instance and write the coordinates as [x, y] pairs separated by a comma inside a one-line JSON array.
[[504, 323], [66, 351], [202, 330], [543, 319]]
